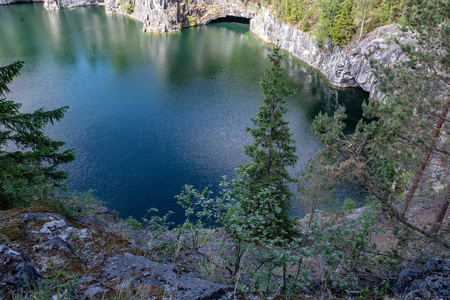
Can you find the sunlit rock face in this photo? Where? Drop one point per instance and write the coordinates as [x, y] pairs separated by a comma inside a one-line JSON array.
[[19, 1], [61, 4], [171, 15], [344, 67]]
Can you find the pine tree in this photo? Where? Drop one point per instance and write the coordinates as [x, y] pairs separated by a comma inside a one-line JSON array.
[[328, 12], [265, 179], [344, 27], [29, 160], [402, 154]]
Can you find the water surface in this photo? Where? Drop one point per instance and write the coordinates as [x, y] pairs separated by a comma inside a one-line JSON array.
[[150, 113]]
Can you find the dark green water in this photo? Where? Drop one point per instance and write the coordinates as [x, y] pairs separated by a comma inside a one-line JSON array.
[[150, 113]]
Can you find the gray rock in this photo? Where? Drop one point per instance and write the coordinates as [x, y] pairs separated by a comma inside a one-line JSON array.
[[434, 280], [92, 292], [61, 4], [45, 230], [16, 271], [437, 280], [56, 243], [438, 265], [343, 67], [179, 284], [55, 224], [405, 279], [19, 1]]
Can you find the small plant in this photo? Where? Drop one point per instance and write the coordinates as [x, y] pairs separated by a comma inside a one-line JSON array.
[[51, 288], [383, 289], [57, 274], [192, 21], [348, 205], [364, 294], [76, 204], [35, 238], [50, 261], [127, 5], [4, 239], [133, 223]]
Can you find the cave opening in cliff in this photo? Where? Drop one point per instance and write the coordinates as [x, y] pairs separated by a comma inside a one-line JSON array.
[[231, 19]]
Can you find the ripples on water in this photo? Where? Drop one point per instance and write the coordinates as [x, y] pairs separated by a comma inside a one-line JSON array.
[[150, 113]]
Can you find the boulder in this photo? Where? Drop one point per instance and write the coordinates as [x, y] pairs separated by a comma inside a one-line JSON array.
[[16, 272], [434, 280], [171, 280]]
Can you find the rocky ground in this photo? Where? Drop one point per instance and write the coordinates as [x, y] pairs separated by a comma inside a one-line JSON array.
[[86, 260], [44, 255]]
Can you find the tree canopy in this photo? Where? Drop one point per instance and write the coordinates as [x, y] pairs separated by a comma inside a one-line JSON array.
[[337, 21], [400, 151]]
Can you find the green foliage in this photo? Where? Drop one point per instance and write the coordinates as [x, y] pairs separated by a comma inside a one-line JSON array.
[[267, 265], [133, 223], [264, 181], [75, 204], [29, 159], [332, 20], [192, 21], [389, 11], [390, 153], [127, 5], [55, 286], [344, 27], [315, 186], [348, 205], [322, 31]]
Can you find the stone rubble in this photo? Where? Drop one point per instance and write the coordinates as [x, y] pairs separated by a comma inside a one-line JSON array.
[[38, 242]]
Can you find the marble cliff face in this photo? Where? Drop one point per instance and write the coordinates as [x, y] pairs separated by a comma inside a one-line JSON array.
[[344, 67]]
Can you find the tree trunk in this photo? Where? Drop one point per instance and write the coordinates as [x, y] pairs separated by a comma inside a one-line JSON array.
[[426, 158], [272, 120], [399, 216], [363, 20], [362, 25]]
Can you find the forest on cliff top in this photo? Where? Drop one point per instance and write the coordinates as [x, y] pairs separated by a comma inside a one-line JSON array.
[[340, 20]]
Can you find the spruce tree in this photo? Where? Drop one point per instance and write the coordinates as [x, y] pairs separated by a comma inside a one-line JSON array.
[[264, 181], [29, 160]]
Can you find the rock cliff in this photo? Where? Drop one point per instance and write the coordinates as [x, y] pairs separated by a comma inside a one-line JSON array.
[[343, 67], [61, 4], [167, 15], [2, 2]]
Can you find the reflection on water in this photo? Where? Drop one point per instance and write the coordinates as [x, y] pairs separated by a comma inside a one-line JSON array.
[[150, 113]]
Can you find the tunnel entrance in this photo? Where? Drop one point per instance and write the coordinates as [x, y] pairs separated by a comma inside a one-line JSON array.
[[231, 19]]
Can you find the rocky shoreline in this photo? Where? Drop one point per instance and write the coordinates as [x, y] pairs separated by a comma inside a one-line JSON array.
[[344, 67]]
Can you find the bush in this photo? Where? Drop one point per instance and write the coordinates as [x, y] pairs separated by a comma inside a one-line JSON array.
[[348, 205]]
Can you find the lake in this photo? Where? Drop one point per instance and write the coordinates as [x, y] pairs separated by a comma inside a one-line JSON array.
[[150, 113]]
